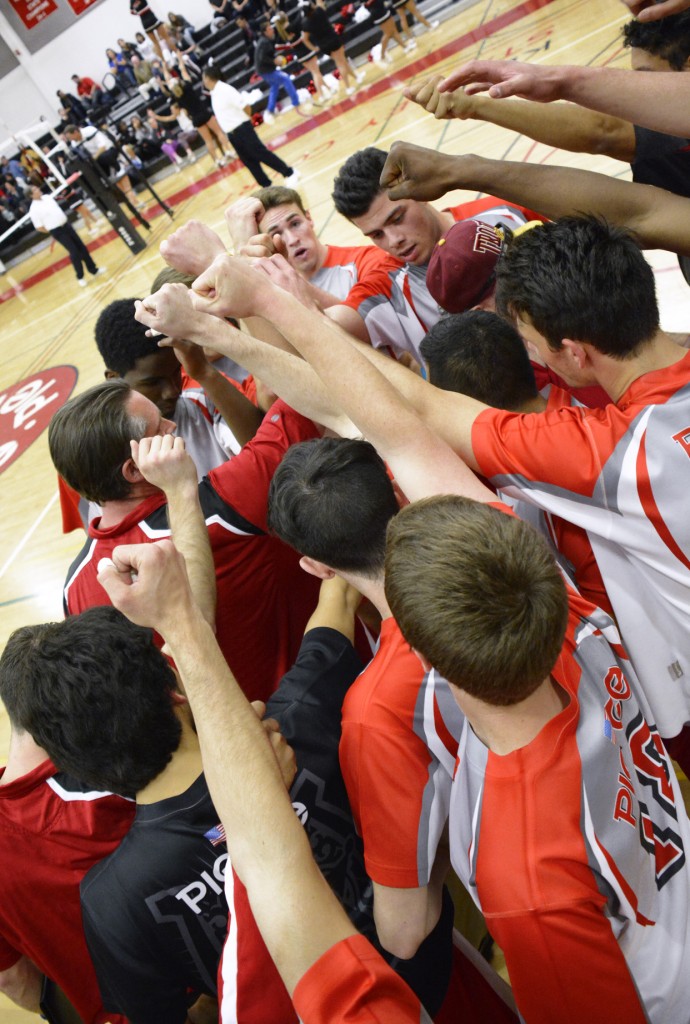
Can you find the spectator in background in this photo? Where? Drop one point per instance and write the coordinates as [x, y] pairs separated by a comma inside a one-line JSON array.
[[180, 26], [145, 47], [144, 77], [122, 69], [265, 65], [91, 93], [76, 111]]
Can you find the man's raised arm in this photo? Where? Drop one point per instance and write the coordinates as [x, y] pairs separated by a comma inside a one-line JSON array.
[[660, 219], [654, 99], [298, 915], [286, 374], [565, 126], [421, 462], [164, 461]]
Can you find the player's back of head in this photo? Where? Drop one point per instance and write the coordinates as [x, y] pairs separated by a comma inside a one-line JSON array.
[[331, 499], [480, 354], [95, 693], [357, 183], [667, 38], [583, 279], [89, 441], [121, 339], [478, 594]]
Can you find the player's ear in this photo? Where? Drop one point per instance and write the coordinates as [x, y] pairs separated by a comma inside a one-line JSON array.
[[315, 568], [577, 352], [111, 375], [130, 472]]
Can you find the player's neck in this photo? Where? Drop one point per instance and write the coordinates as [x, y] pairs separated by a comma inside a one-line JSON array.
[[505, 729], [184, 767], [24, 755], [113, 512], [615, 376]]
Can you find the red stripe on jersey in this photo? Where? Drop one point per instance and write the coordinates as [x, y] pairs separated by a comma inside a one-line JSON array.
[[644, 489], [627, 889]]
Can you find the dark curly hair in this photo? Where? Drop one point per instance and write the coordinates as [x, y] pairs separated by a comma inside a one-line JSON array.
[[668, 38], [95, 693], [121, 339], [357, 183]]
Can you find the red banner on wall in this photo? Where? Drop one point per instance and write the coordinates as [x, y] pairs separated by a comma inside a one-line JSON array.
[[79, 6], [33, 11]]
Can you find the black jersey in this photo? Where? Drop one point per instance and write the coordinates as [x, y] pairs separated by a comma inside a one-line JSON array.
[[154, 911]]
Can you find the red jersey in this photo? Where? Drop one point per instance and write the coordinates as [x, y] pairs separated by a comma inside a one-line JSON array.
[[355, 273], [52, 830], [264, 597], [574, 847], [622, 474], [400, 733], [570, 544], [352, 983], [401, 311]]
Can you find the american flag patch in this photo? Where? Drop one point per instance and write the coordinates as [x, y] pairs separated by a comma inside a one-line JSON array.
[[215, 835]]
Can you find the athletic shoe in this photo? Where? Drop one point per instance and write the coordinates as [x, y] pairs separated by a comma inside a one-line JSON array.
[[360, 75], [268, 117], [410, 45], [350, 91], [434, 24], [82, 282], [292, 180], [100, 272]]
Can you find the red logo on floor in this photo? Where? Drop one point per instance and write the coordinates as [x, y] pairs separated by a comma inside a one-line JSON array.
[[26, 409]]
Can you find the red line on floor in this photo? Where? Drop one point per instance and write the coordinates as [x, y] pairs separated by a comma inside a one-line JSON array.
[[310, 124]]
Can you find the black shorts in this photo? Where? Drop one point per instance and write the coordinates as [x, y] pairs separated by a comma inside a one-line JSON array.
[[149, 21], [330, 44], [379, 12]]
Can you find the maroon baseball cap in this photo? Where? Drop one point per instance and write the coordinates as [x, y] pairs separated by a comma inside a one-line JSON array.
[[462, 268]]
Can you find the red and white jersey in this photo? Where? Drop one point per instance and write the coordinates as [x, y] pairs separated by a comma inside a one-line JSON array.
[[399, 315], [52, 830], [623, 474], [207, 437], [355, 273], [569, 543], [351, 983], [250, 990], [574, 847], [400, 732], [264, 598]]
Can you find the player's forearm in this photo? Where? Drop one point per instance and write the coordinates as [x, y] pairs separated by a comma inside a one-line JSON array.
[[22, 985], [241, 415], [190, 534], [295, 910], [563, 125], [655, 99], [371, 400], [659, 218], [283, 372]]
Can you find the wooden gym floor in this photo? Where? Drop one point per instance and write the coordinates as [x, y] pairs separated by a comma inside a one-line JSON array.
[[46, 320]]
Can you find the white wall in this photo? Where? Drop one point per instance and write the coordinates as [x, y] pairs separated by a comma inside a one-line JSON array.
[[29, 91]]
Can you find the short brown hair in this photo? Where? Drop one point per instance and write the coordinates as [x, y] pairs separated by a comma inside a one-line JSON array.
[[278, 195], [89, 441], [478, 594]]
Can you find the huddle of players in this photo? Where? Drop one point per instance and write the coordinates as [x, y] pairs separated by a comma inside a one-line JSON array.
[[527, 724]]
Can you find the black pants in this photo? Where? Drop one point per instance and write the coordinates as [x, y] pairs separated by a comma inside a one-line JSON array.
[[252, 152], [78, 253]]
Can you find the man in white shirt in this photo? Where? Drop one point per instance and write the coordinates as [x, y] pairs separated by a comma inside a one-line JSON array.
[[47, 217], [231, 114]]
